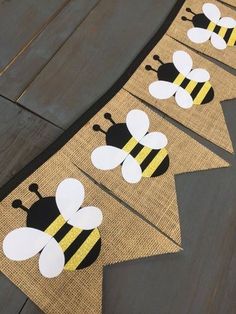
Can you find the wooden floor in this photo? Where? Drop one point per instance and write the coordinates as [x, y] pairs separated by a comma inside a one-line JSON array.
[[58, 58]]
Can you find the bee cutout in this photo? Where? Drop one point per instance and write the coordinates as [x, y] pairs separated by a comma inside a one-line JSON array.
[[129, 144], [189, 86], [210, 25], [65, 235]]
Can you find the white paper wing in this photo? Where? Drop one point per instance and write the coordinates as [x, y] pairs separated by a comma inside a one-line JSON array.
[[51, 260], [69, 197], [162, 89], [199, 35], [131, 170], [23, 243], [154, 140], [218, 42], [227, 22], [137, 123], [182, 61], [211, 11], [87, 218], [107, 157], [199, 75], [183, 98]]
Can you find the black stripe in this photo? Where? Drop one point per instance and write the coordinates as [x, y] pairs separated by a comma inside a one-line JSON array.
[[228, 34], [134, 152], [92, 255], [162, 167], [62, 232], [149, 158], [209, 96], [184, 83], [217, 29], [196, 90], [70, 251]]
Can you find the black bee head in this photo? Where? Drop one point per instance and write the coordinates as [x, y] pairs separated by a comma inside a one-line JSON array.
[[198, 20], [162, 66], [98, 128]]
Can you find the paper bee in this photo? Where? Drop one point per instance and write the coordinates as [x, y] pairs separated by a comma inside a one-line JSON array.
[[129, 144], [210, 25], [190, 87], [65, 235]]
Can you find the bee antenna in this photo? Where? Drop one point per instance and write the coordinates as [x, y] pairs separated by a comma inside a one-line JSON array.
[[190, 11], [184, 18], [107, 116], [18, 204], [149, 68], [157, 58], [34, 188], [97, 128]]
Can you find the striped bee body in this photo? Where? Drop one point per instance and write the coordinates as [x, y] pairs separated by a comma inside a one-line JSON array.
[[228, 34], [80, 247], [153, 162]]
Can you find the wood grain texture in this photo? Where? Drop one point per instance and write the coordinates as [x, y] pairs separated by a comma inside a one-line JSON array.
[[20, 21], [23, 137], [32, 60], [93, 58]]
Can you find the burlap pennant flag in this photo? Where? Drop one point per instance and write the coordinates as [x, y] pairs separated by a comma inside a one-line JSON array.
[[195, 105], [209, 27], [77, 288], [230, 2], [142, 171]]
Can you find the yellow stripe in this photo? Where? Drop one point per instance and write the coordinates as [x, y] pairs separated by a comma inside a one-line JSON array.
[[55, 225], [83, 250], [211, 26], [190, 87], [232, 38], [179, 79], [130, 145], [143, 154], [69, 238], [222, 31], [202, 93], [155, 163]]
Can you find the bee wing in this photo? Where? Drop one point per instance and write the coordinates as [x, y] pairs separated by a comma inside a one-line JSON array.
[[154, 140], [51, 260], [218, 42], [199, 75], [162, 89], [137, 123], [212, 12], [227, 22], [131, 170], [107, 157], [182, 61], [183, 98], [69, 197], [87, 218], [23, 243], [199, 35]]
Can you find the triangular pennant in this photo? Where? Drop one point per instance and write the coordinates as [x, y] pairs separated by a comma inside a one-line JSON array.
[[208, 27], [195, 105], [124, 236], [153, 193]]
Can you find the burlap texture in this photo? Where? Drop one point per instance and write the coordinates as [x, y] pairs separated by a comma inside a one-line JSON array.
[[231, 2], [179, 28], [124, 236], [206, 120], [154, 198]]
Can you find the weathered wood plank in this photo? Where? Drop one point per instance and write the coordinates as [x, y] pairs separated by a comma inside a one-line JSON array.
[[93, 58], [12, 298], [20, 21], [30, 308], [31, 61], [23, 137]]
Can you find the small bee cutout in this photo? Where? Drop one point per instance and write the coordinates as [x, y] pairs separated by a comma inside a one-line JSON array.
[[129, 144], [210, 25], [189, 86], [65, 235]]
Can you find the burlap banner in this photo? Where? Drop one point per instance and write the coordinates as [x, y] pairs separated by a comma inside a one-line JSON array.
[[209, 27], [195, 105], [153, 197], [123, 236]]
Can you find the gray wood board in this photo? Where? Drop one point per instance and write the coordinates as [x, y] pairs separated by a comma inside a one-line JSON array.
[[31, 61], [93, 58], [20, 21]]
